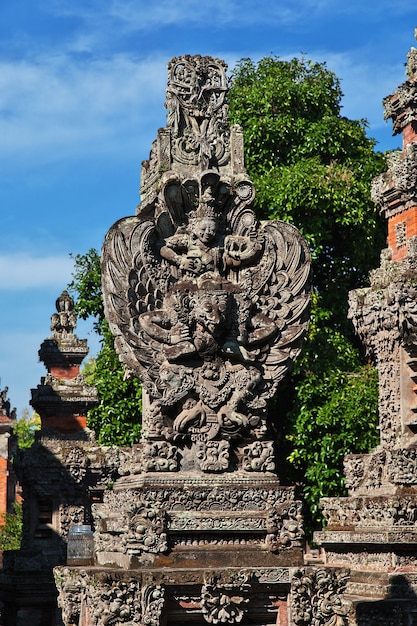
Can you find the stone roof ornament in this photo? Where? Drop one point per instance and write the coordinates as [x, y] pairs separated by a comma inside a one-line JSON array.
[[65, 319], [208, 306]]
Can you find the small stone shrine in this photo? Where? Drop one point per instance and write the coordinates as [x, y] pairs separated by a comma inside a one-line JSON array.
[[373, 531], [60, 475], [208, 308]]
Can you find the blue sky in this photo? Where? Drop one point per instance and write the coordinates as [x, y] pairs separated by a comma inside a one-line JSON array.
[[82, 87]]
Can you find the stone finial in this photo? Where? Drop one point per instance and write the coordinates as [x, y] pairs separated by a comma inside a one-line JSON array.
[[63, 398], [65, 320]]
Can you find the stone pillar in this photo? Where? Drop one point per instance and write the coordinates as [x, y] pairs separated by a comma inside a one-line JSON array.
[[60, 475], [7, 445], [373, 531], [63, 397]]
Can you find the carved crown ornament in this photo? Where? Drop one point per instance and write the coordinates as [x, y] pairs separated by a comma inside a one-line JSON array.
[[208, 306]]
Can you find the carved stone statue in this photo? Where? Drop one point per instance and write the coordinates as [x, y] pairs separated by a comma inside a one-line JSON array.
[[208, 306], [64, 320]]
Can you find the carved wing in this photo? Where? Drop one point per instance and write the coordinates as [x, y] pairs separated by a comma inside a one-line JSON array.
[[284, 273], [133, 283]]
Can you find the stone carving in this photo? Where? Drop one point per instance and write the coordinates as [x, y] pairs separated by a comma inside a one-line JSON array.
[[402, 467], [213, 456], [113, 603], [224, 603], [107, 600], [130, 526], [195, 100], [69, 597], [353, 466], [316, 597], [259, 457], [208, 306], [5, 403], [146, 526], [383, 511], [65, 320], [160, 457], [284, 527], [152, 601]]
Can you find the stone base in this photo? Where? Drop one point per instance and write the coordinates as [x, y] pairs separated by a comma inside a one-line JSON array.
[[375, 537], [169, 596], [28, 599], [164, 520]]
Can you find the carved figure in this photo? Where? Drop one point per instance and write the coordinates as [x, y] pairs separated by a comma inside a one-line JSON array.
[[208, 306], [224, 604], [65, 320]]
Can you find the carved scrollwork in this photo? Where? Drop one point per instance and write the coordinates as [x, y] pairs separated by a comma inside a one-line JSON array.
[[146, 530], [152, 602], [259, 457], [224, 603], [110, 600], [213, 456], [284, 527], [160, 456], [316, 597]]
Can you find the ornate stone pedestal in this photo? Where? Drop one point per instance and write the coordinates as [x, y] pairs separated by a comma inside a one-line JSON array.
[[191, 549]]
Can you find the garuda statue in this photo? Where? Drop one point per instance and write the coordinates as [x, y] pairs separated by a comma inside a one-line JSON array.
[[208, 306]]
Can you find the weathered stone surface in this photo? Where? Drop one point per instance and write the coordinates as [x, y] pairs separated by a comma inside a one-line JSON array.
[[374, 530], [208, 308], [207, 305]]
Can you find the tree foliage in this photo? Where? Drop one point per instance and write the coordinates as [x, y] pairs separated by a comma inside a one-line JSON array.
[[11, 529], [117, 417], [313, 167], [25, 427]]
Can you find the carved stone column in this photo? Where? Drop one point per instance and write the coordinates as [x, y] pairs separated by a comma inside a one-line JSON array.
[[374, 530]]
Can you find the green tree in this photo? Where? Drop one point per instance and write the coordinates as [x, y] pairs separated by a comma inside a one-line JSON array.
[[313, 167], [25, 427], [11, 529], [117, 417]]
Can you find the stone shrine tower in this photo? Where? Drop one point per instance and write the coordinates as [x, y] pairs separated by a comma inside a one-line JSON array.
[[374, 530], [63, 398], [208, 308], [60, 475]]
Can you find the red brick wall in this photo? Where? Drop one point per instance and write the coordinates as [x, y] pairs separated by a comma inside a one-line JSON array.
[[3, 488], [409, 217], [409, 134], [69, 424]]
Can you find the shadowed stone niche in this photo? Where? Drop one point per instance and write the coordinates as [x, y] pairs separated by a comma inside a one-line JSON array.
[[208, 307]]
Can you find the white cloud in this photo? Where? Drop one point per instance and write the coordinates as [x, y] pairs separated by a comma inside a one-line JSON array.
[[132, 16], [54, 106], [21, 271]]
